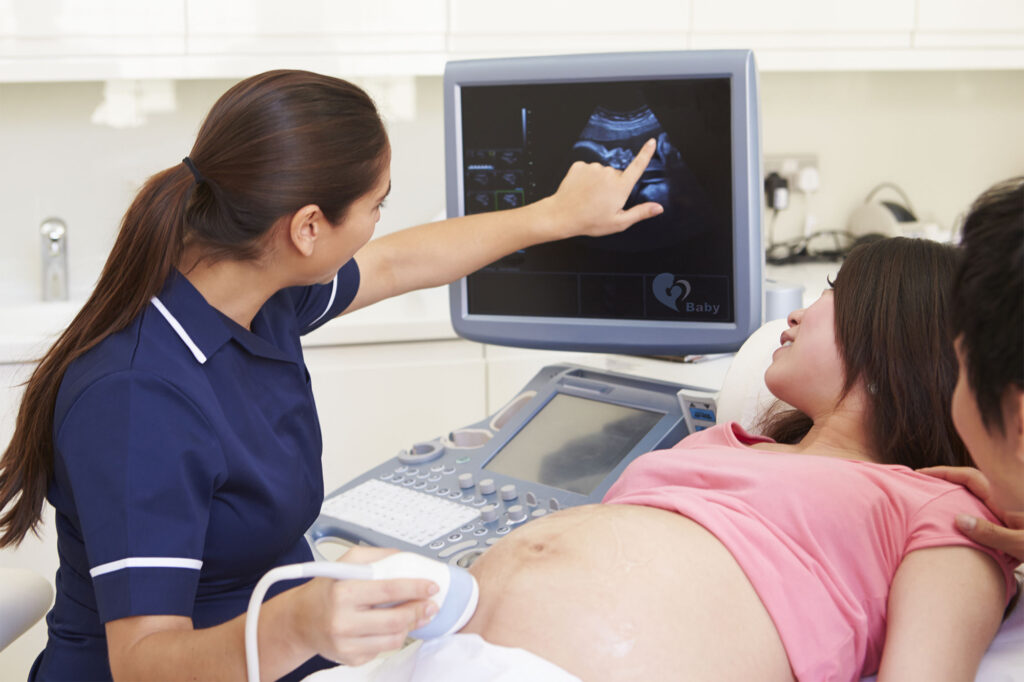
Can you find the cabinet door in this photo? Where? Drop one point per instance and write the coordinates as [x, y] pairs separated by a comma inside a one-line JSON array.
[[315, 26], [983, 23], [375, 400], [542, 26], [61, 28], [789, 24]]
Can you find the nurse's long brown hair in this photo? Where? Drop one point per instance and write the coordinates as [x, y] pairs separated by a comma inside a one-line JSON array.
[[892, 299], [270, 145]]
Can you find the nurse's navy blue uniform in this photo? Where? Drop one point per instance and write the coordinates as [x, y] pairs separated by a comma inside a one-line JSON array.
[[187, 465]]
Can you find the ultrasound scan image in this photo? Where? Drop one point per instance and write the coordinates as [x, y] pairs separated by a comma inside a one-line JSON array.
[[613, 138]]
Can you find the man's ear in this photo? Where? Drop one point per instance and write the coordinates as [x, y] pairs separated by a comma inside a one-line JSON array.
[[305, 227]]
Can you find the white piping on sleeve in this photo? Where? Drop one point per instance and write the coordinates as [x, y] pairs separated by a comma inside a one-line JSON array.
[[145, 562], [334, 292], [176, 326]]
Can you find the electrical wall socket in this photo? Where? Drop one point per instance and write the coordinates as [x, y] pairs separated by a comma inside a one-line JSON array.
[[789, 166]]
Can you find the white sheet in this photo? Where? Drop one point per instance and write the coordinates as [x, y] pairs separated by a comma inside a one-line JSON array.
[[457, 657], [471, 658]]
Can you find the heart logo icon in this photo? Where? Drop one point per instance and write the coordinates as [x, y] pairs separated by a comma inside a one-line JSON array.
[[670, 291]]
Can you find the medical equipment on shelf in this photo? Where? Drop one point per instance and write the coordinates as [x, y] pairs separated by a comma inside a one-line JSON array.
[[456, 597], [561, 442]]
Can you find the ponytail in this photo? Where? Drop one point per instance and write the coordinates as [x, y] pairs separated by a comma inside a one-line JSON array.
[[270, 145], [148, 246]]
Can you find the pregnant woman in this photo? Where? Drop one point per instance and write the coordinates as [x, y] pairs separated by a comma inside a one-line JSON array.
[[816, 553]]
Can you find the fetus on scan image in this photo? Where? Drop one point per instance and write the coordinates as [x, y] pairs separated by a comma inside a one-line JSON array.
[[613, 138]]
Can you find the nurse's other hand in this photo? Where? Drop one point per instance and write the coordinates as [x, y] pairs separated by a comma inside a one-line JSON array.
[[347, 623], [590, 198], [1009, 539]]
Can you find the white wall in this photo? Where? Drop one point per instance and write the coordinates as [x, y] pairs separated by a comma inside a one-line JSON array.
[[942, 136]]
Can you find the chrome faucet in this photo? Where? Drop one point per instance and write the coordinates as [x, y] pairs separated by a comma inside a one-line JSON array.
[[54, 250]]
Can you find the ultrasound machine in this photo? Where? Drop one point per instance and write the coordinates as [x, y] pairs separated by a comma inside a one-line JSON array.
[[687, 281]]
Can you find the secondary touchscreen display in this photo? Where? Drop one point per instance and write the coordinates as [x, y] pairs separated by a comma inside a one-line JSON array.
[[572, 443]]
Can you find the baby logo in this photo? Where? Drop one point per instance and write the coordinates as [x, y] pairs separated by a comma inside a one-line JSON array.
[[670, 291]]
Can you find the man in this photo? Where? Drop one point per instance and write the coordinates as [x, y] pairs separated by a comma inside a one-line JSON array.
[[988, 403]]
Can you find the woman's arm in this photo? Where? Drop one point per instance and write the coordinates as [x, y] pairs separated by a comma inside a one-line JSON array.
[[589, 202], [1008, 539], [945, 606], [333, 618]]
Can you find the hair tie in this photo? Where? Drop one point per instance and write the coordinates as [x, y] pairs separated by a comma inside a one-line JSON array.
[[195, 173]]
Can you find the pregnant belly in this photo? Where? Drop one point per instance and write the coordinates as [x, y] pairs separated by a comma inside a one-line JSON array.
[[619, 592]]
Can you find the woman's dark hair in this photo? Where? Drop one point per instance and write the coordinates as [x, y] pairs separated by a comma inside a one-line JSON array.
[[270, 145], [988, 297], [891, 310]]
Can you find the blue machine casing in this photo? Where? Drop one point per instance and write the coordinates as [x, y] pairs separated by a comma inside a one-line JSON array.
[[438, 498]]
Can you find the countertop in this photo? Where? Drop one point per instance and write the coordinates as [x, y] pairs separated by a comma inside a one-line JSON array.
[[28, 329]]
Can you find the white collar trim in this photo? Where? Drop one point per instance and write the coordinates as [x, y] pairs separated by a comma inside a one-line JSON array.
[[180, 331]]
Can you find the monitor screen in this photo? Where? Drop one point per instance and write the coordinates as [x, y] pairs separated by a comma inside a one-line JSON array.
[[573, 443], [688, 280]]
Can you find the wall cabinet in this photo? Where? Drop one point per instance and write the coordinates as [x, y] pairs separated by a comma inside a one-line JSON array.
[[50, 40]]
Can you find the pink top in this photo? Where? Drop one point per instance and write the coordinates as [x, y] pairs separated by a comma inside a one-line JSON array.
[[819, 538]]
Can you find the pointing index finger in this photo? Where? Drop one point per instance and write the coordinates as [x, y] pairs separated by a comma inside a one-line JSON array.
[[639, 163]]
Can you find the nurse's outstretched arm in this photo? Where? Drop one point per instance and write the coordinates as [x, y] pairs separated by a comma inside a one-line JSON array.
[[589, 201], [945, 606], [331, 618]]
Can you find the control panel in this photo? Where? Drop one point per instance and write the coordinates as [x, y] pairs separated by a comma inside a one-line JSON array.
[[562, 441]]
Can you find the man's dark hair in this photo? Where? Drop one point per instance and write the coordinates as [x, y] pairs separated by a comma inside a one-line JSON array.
[[988, 297]]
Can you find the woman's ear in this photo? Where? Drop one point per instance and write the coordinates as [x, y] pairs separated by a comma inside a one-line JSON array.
[[305, 228]]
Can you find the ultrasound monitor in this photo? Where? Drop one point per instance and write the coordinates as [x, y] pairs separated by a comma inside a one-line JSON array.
[[689, 280]]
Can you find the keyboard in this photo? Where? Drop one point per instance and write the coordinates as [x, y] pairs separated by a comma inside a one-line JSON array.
[[408, 515]]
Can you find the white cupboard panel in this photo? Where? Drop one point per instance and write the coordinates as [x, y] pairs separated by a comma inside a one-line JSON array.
[[312, 26], [90, 27], [978, 15], [541, 26], [375, 400], [982, 24], [798, 16]]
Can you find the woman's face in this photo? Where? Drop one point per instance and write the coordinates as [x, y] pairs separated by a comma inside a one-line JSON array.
[[356, 227], [807, 369]]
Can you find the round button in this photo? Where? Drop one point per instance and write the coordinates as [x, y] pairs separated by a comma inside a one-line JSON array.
[[480, 531], [454, 537], [516, 513], [489, 514], [487, 486], [502, 530], [509, 492], [433, 478], [537, 513], [431, 487], [466, 480], [420, 485], [436, 544]]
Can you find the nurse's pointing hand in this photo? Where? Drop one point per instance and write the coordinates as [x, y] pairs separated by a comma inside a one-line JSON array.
[[590, 199], [1010, 539]]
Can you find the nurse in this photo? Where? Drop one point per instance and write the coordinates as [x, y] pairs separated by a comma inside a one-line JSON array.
[[988, 404], [172, 425]]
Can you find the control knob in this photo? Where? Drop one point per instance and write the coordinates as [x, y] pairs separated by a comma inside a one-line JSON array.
[[509, 492], [466, 480], [516, 514], [487, 486], [489, 514]]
